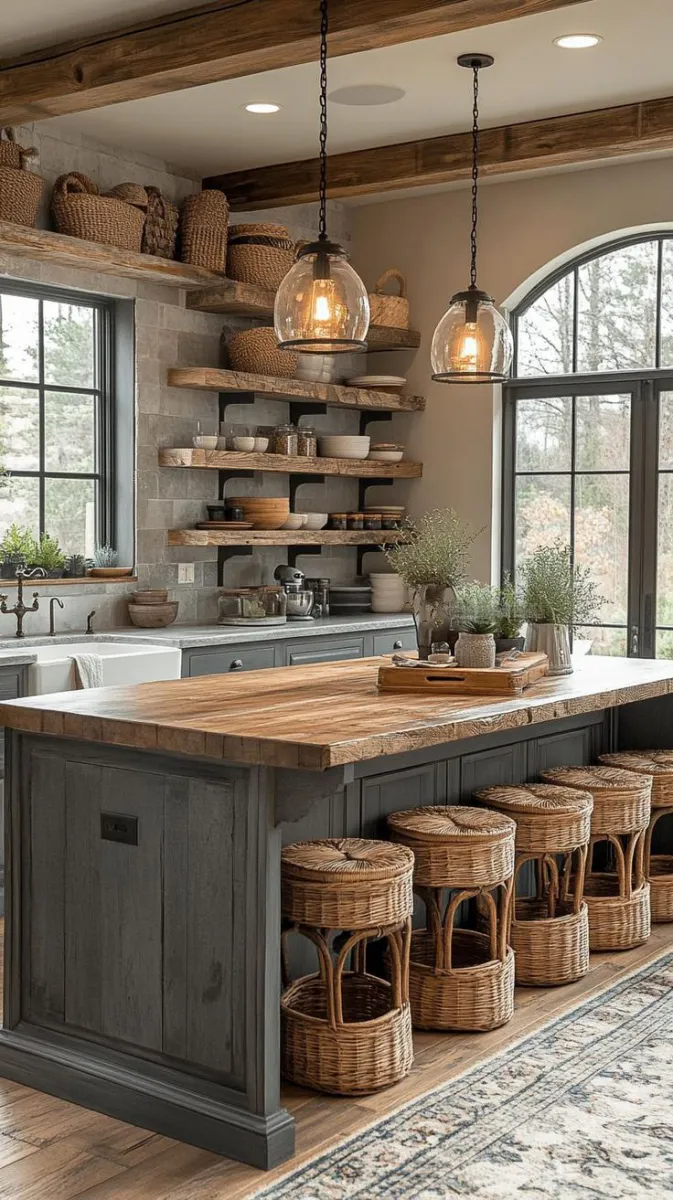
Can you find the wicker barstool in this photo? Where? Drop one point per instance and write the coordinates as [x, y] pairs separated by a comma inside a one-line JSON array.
[[550, 930], [658, 867], [345, 1031], [460, 978], [618, 898]]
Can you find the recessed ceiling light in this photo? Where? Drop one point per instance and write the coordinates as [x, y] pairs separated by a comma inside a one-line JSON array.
[[577, 41], [259, 107], [367, 94]]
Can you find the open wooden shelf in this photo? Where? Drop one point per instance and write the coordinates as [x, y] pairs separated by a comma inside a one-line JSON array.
[[249, 300], [211, 379], [231, 460], [65, 251], [282, 537]]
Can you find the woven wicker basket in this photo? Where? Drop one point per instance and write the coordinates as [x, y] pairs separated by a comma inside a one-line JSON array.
[[389, 310], [11, 153], [622, 799], [348, 883], [549, 951], [659, 869], [456, 846], [204, 226], [261, 254], [79, 210], [549, 819], [255, 352], [161, 225], [475, 995], [20, 195], [616, 922], [656, 763]]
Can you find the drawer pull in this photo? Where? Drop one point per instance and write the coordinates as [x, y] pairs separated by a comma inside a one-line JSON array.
[[397, 645], [236, 665]]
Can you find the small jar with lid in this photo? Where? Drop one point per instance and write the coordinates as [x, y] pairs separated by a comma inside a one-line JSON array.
[[285, 440], [372, 521], [338, 521], [389, 522], [307, 442], [355, 521]]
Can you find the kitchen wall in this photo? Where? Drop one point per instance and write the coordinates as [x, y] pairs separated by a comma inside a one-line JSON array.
[[168, 335], [524, 224]]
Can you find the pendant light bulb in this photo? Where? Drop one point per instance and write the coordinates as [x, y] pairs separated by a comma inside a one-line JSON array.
[[473, 342], [322, 306]]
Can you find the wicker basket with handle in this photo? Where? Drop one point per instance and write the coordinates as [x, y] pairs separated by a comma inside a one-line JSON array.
[[161, 225], [204, 229], [389, 310], [261, 254], [255, 352], [20, 189], [79, 210]]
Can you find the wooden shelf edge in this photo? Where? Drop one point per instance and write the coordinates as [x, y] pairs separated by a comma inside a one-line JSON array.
[[214, 379], [87, 580], [64, 251], [223, 460], [280, 537]]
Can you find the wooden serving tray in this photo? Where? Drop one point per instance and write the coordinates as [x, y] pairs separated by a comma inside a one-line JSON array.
[[509, 680]]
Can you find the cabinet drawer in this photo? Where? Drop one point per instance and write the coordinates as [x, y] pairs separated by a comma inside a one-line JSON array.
[[230, 659], [397, 639], [301, 653]]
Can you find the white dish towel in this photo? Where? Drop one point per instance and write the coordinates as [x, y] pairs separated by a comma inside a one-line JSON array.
[[88, 670]]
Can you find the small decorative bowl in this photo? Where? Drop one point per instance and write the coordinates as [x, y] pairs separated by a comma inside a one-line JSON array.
[[245, 445], [154, 616], [261, 445], [295, 521], [205, 441]]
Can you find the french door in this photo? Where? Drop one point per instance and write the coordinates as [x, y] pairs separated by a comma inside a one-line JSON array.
[[591, 461]]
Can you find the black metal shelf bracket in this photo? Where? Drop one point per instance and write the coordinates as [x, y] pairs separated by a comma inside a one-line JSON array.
[[224, 553], [227, 399], [295, 552], [365, 484], [305, 408], [296, 481], [370, 415], [223, 478]]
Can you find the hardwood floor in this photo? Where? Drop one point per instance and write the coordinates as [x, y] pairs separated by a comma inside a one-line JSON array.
[[52, 1150]]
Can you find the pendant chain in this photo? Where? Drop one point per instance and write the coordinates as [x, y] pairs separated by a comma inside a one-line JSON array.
[[324, 27], [475, 178]]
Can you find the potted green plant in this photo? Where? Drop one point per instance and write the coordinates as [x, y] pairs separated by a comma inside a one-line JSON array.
[[49, 556], [557, 594], [510, 617], [106, 564], [476, 617], [77, 565], [16, 551], [432, 564]]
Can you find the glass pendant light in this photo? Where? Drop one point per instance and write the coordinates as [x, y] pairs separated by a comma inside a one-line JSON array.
[[322, 305], [473, 342]]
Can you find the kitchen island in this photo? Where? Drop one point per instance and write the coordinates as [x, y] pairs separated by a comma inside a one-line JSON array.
[[144, 828]]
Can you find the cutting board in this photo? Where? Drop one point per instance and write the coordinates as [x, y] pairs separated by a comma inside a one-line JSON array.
[[509, 680]]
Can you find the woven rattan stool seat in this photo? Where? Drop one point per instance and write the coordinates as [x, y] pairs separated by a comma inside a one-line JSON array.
[[622, 799], [549, 819], [347, 883], [658, 764], [456, 846]]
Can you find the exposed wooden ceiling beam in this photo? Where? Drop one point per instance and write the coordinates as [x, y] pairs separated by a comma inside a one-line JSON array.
[[223, 40], [554, 141]]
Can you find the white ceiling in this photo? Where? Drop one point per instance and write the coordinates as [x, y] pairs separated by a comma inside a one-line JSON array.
[[206, 130]]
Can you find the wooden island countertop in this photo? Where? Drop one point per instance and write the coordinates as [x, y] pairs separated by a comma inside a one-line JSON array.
[[319, 716]]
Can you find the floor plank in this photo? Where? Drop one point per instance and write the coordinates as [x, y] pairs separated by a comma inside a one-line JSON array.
[[52, 1150]]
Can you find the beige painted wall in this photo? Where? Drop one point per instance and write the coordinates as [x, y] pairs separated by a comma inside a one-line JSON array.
[[524, 225]]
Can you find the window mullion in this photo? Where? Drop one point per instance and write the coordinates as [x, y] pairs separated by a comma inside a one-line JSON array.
[[41, 401]]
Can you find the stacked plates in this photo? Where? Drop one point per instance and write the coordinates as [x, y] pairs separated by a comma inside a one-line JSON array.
[[388, 593], [378, 383], [263, 512], [352, 598]]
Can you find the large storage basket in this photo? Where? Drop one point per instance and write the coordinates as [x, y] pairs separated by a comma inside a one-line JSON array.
[[161, 225], [20, 189], [204, 227], [389, 310], [261, 254], [658, 764], [255, 351], [79, 210]]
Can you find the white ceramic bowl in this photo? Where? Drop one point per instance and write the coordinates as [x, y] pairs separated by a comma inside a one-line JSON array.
[[295, 521], [205, 441], [343, 446], [315, 521], [245, 445], [261, 445], [386, 455]]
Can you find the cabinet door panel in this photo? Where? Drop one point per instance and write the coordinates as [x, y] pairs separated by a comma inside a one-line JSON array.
[[397, 639], [230, 659], [572, 748], [298, 654], [385, 794], [503, 765]]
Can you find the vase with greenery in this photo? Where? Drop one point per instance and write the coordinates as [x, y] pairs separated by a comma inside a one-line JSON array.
[[16, 551], [48, 555], [432, 564], [510, 617], [476, 617], [557, 594]]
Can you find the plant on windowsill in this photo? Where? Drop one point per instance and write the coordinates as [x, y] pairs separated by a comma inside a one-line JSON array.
[[17, 549], [511, 616], [432, 564], [48, 556], [476, 616], [106, 564], [77, 566], [557, 595]]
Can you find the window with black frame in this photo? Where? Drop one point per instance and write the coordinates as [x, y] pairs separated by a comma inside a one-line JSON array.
[[588, 435], [56, 416]]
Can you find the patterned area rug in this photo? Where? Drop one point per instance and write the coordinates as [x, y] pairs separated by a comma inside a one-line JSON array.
[[582, 1109]]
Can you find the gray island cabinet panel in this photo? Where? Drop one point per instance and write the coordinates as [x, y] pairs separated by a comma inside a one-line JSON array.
[[316, 647]]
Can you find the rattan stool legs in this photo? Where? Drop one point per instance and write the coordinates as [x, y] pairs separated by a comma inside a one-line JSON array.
[[659, 870], [618, 898], [550, 930]]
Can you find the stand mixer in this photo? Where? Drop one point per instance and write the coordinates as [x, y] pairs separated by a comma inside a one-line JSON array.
[[300, 601]]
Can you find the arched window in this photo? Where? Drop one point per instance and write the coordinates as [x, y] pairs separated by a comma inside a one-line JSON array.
[[588, 434]]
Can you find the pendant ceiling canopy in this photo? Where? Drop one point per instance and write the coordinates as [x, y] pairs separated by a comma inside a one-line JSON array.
[[473, 342], [322, 306]]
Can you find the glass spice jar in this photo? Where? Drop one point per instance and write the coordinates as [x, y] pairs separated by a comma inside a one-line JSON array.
[[389, 522], [285, 440], [372, 520], [307, 440], [338, 521], [355, 521]]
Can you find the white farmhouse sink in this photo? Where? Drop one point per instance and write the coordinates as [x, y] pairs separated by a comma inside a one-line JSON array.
[[54, 670]]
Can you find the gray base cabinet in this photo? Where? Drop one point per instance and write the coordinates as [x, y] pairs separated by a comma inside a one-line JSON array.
[[295, 652]]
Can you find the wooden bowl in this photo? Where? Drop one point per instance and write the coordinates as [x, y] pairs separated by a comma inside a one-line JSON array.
[[154, 616], [158, 596], [110, 572]]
